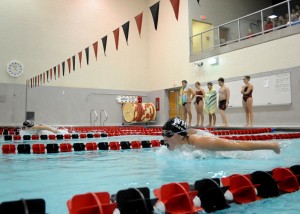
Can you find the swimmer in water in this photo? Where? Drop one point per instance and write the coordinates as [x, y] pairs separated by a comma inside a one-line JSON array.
[[175, 134], [28, 125]]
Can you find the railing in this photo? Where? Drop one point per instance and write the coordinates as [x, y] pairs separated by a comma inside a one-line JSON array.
[[246, 27], [92, 122], [106, 117]]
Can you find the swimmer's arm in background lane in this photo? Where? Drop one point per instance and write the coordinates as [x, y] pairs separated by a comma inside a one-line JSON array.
[[219, 144], [41, 127]]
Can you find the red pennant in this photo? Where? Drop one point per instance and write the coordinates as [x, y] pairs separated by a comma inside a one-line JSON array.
[[175, 5], [69, 64], [139, 22], [58, 70], [80, 57], [95, 46], [116, 35], [50, 73]]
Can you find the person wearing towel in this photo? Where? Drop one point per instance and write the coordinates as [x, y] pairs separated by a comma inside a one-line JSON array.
[[186, 95], [176, 134], [211, 103]]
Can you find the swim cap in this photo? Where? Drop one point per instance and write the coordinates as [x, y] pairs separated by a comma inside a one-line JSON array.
[[28, 123], [176, 125]]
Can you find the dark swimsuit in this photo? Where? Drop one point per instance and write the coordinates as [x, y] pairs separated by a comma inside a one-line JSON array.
[[246, 96], [222, 104], [198, 99]]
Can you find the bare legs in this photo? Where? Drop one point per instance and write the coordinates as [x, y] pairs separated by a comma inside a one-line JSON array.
[[187, 112], [248, 108], [224, 118], [212, 119], [200, 115]]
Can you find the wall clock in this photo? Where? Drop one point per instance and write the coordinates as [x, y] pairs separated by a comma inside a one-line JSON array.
[[15, 68]]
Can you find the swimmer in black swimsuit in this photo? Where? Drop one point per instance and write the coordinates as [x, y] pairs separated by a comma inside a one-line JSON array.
[[176, 134], [247, 90], [224, 96], [199, 104]]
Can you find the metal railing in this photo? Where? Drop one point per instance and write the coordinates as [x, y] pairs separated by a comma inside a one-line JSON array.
[[245, 27], [93, 119]]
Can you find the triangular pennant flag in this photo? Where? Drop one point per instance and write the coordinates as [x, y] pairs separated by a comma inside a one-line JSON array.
[[155, 11], [80, 57], [44, 78], [73, 60], [47, 76], [126, 30], [58, 70], [104, 42], [54, 68], [95, 46], [87, 54], [50, 73], [69, 65], [175, 5], [63, 68], [116, 35], [139, 22]]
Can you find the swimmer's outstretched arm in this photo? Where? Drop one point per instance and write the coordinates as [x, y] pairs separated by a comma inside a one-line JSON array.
[[45, 127], [219, 144]]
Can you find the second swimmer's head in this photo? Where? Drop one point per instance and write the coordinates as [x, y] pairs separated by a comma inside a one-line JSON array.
[[174, 126]]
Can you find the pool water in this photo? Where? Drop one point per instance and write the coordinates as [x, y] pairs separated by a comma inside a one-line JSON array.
[[58, 177]]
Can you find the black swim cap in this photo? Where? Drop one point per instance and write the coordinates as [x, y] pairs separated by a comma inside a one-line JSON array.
[[176, 125], [28, 123]]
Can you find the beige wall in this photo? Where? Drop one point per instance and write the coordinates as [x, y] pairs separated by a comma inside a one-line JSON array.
[[42, 34]]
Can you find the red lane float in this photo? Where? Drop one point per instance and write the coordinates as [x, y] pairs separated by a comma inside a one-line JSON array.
[[177, 198], [8, 149], [38, 148], [91, 146], [89, 203], [65, 147]]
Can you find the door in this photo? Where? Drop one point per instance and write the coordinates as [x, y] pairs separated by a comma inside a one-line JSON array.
[[175, 110], [205, 41]]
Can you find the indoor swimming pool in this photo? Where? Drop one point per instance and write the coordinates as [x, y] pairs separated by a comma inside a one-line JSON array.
[[57, 177]]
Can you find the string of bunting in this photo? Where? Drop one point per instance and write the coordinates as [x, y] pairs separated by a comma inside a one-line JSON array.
[[54, 72]]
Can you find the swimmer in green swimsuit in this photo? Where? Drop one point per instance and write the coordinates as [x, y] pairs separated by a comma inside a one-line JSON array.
[[175, 134]]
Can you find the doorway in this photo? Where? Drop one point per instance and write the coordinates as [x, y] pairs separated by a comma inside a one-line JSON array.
[[204, 42], [175, 110]]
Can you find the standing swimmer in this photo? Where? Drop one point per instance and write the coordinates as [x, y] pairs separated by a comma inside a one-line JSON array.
[[185, 99], [247, 90]]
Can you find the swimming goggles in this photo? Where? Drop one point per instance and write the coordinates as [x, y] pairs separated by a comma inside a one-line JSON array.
[[169, 134]]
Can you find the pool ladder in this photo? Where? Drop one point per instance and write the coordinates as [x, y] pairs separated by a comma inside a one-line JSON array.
[[96, 117]]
